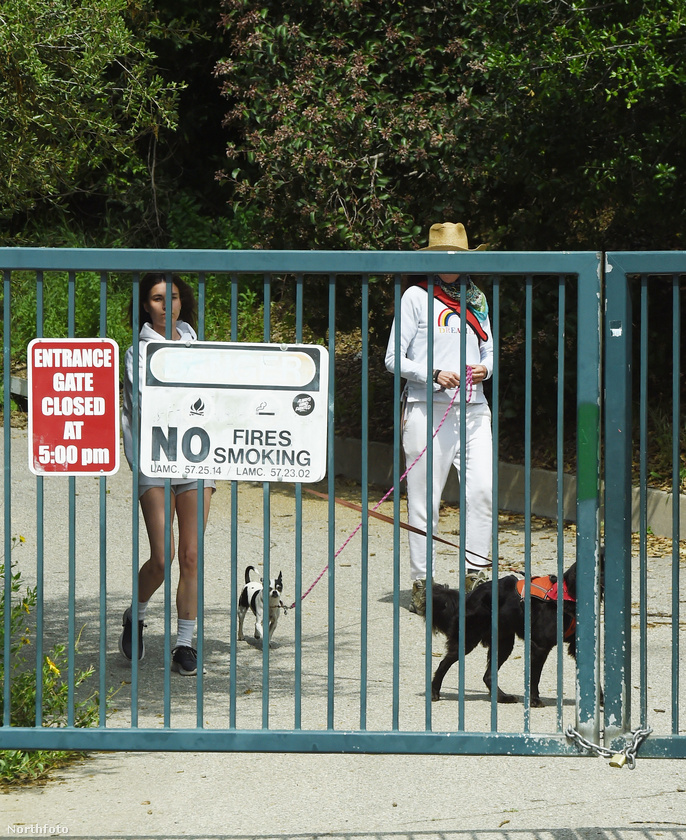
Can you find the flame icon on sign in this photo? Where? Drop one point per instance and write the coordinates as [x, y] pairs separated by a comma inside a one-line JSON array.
[[198, 407]]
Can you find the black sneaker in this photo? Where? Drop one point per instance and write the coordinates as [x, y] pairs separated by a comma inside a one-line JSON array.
[[185, 661], [125, 643]]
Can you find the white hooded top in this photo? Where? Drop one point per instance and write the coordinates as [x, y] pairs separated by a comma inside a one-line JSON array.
[[147, 333], [413, 347]]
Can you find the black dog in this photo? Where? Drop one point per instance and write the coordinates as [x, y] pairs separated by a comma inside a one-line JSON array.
[[478, 607]]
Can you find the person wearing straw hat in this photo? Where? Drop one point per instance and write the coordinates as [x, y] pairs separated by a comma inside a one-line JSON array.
[[413, 322]]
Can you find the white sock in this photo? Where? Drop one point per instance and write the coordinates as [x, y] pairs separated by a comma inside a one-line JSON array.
[[185, 627], [142, 607]]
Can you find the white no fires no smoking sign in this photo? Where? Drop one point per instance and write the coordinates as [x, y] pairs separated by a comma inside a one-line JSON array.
[[240, 412]]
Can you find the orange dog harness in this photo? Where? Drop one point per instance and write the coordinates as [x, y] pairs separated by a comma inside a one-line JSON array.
[[547, 590]]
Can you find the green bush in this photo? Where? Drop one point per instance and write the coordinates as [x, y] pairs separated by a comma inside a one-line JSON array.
[[55, 297], [86, 309], [26, 765]]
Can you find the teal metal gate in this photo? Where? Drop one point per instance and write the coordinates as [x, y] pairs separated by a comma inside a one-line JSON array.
[[350, 669], [631, 283]]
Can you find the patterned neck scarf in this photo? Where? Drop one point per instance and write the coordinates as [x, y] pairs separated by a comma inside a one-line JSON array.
[[476, 299]]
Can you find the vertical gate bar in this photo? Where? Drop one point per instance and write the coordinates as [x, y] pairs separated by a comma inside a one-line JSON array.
[[589, 327], [676, 491], [102, 481], [167, 544], [617, 424], [528, 364], [40, 535], [398, 420], [462, 411], [7, 495], [560, 458], [429, 499], [202, 294], [169, 280], [266, 548], [266, 530], [298, 537], [495, 553], [200, 514], [71, 304], [135, 511], [71, 653], [364, 560], [331, 484], [167, 602], [233, 559], [643, 515]]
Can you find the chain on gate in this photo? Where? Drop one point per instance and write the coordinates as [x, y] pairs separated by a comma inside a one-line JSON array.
[[617, 759]]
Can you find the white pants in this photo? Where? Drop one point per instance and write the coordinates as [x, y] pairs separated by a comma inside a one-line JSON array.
[[446, 452]]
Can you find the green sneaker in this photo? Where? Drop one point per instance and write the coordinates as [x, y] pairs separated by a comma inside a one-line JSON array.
[[473, 579], [418, 601]]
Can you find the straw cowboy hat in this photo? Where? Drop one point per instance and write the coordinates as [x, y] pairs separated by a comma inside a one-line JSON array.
[[449, 237]]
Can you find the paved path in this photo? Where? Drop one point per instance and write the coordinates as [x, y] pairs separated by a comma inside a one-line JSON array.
[[377, 797], [265, 796]]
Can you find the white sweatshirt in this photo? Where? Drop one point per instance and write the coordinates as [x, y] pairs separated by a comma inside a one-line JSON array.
[[414, 313], [147, 333]]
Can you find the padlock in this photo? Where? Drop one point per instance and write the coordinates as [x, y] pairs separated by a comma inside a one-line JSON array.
[[618, 760]]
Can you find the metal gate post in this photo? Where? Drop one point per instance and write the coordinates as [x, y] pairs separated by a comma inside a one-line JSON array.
[[6, 582], [617, 474], [588, 497]]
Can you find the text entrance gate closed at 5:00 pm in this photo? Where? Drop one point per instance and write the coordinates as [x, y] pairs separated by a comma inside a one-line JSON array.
[[238, 412], [73, 406]]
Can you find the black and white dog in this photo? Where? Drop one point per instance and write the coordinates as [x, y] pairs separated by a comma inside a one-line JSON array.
[[252, 598]]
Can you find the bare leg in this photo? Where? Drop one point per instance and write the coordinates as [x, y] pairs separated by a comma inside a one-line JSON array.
[[187, 517], [151, 574]]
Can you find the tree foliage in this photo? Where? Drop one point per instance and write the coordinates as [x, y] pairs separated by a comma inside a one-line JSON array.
[[81, 103], [542, 124], [591, 110], [352, 121]]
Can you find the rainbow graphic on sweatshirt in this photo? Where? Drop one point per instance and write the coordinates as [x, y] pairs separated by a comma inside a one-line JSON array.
[[446, 315]]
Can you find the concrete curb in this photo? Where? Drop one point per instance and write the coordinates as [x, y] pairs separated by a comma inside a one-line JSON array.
[[511, 495]]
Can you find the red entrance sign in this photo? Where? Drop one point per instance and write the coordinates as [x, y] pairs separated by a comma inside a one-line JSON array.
[[73, 406]]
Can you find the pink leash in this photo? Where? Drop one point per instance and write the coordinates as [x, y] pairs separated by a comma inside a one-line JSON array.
[[383, 499]]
